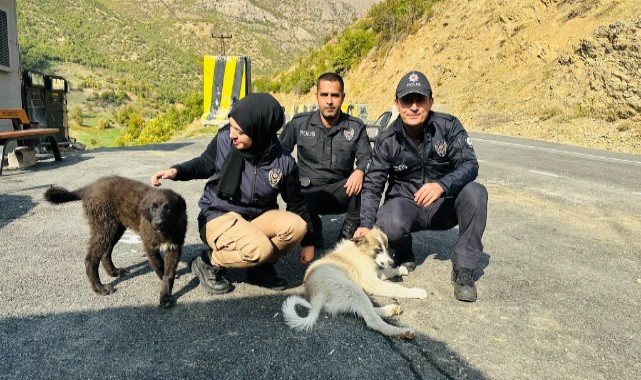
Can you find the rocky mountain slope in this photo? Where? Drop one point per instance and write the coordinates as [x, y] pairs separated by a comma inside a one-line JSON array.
[[558, 70], [159, 42]]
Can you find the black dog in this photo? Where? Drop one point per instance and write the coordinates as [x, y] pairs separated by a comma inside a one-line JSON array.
[[113, 204]]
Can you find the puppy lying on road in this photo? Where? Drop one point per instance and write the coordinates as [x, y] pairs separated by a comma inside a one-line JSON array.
[[339, 281]]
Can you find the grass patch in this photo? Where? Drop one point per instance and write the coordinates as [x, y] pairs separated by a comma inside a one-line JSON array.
[[93, 138]]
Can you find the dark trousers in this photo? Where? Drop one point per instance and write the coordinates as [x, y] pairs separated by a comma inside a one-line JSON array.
[[399, 217], [332, 199]]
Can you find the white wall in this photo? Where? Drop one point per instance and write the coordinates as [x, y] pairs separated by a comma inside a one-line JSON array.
[[10, 76]]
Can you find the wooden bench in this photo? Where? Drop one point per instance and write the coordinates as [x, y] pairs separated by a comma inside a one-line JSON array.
[[20, 120]]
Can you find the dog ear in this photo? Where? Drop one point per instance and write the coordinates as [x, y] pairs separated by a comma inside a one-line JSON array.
[[359, 240], [144, 206], [182, 203]]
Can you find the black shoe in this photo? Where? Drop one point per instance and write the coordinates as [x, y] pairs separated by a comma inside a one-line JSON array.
[[410, 265], [265, 275], [319, 241], [212, 278], [348, 229], [463, 281], [405, 259]]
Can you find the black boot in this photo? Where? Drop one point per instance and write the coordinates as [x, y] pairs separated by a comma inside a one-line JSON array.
[[212, 278], [463, 281], [265, 275], [406, 259], [318, 231], [348, 229]]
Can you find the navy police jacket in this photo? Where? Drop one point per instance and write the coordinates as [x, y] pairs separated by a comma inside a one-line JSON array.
[[327, 155], [445, 156], [259, 187]]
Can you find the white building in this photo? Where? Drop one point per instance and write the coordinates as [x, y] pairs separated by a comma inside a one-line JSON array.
[[10, 96]]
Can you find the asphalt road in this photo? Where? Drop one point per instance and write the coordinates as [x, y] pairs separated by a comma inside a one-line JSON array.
[[559, 284]]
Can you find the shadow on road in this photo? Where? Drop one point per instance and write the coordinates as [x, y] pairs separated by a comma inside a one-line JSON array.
[[165, 147], [13, 207], [440, 244], [220, 339]]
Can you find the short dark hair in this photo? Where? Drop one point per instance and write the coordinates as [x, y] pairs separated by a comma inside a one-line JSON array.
[[331, 77]]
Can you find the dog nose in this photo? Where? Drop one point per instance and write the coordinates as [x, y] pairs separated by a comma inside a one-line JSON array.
[[385, 262]]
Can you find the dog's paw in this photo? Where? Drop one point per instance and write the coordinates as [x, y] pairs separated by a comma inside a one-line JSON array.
[[167, 302], [402, 270], [407, 334], [119, 272], [396, 309], [419, 293], [104, 289]]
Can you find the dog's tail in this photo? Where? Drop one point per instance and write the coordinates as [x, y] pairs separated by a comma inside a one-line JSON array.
[[57, 195], [294, 320]]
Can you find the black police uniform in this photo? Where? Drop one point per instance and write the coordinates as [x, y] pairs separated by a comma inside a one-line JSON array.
[[326, 158], [443, 155]]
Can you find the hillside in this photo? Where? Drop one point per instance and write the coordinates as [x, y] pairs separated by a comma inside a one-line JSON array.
[[157, 46], [135, 68], [558, 70]]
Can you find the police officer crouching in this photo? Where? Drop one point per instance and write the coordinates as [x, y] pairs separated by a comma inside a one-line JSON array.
[[333, 154], [428, 162]]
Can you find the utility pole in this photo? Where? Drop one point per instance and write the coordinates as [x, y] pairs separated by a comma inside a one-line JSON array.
[[222, 38]]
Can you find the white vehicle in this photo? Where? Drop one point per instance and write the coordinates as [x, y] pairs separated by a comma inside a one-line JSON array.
[[375, 127]]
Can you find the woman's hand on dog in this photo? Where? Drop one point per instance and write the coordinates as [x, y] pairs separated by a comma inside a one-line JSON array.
[[361, 231], [163, 174], [306, 255]]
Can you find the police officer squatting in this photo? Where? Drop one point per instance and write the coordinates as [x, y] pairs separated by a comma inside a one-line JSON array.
[[246, 170], [333, 153], [428, 163]]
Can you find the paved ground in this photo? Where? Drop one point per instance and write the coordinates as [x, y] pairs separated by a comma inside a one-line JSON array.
[[559, 286]]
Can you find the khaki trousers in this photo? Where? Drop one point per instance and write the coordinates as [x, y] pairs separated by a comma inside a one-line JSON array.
[[237, 243]]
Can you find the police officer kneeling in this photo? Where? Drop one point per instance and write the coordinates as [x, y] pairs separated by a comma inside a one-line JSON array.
[[333, 153], [428, 162]]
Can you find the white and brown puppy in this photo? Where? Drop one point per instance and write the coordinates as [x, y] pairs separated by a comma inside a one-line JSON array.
[[341, 281]]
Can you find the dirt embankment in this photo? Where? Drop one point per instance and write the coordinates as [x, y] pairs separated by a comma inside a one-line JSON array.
[[559, 70]]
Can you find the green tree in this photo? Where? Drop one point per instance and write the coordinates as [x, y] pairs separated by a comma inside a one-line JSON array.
[[76, 114]]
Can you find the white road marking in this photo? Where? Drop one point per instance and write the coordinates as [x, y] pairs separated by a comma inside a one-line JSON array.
[[585, 155], [545, 173]]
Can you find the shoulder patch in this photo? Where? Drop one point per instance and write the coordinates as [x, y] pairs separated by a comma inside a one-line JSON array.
[[274, 176]]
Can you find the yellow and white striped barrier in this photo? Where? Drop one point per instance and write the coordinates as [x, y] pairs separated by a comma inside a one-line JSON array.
[[227, 79]]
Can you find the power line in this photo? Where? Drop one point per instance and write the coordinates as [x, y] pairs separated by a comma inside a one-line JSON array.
[[173, 14], [179, 20], [222, 37]]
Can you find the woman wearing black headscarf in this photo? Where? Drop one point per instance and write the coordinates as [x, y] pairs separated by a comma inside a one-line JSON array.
[[239, 217]]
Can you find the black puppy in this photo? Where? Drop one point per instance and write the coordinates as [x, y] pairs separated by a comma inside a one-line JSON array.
[[113, 204]]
